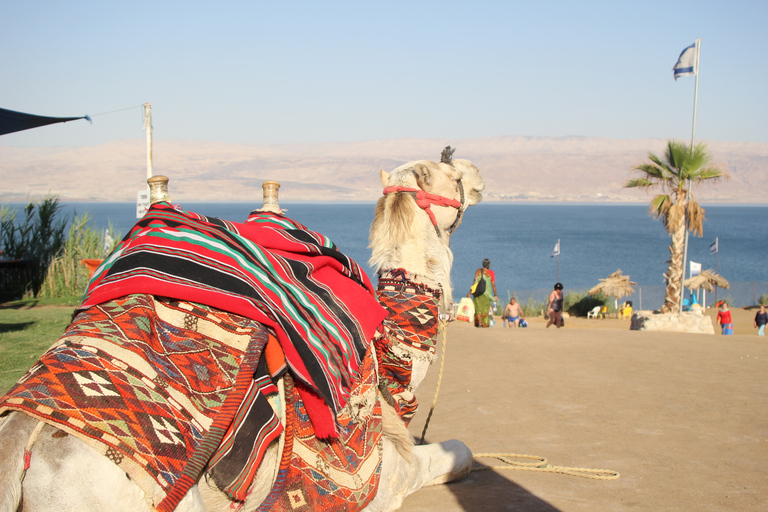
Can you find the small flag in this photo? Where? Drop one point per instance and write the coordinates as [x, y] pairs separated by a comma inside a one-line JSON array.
[[688, 62], [713, 247], [556, 251], [695, 268]]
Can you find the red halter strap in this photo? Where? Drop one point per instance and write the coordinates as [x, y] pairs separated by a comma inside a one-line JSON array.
[[425, 200]]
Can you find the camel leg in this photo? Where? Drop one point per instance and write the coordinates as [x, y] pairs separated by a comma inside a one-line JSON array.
[[15, 430], [430, 464], [66, 474]]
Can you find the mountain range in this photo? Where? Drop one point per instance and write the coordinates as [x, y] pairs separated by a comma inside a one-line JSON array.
[[515, 168]]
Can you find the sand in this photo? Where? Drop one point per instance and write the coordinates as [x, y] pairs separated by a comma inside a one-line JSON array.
[[682, 417]]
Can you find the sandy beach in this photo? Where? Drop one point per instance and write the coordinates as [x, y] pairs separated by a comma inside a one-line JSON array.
[[682, 417]]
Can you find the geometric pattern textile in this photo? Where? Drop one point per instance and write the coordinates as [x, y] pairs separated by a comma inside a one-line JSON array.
[[410, 331], [152, 385], [319, 303], [332, 474]]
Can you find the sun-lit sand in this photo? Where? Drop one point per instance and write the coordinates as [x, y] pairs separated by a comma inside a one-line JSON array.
[[682, 417]]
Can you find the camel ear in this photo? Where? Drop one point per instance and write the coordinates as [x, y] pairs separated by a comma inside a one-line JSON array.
[[423, 175], [384, 175]]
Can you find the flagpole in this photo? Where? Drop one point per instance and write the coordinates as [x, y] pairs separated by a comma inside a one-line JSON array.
[[558, 259], [148, 130], [688, 198], [717, 259]]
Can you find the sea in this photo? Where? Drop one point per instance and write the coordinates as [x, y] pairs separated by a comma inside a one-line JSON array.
[[595, 240]]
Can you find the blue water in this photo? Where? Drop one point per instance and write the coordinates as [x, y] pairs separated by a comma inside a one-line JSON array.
[[595, 239]]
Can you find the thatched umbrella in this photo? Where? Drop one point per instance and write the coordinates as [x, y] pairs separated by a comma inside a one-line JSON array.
[[616, 285], [706, 279]]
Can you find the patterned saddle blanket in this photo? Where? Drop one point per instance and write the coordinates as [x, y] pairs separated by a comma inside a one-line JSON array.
[[161, 388]]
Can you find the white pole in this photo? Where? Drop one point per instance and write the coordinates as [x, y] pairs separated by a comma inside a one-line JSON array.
[[148, 129], [717, 259], [693, 140]]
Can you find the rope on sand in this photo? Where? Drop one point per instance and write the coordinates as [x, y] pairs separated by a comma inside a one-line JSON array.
[[540, 463]]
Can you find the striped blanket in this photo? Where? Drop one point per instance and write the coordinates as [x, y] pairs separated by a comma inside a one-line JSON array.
[[320, 303]]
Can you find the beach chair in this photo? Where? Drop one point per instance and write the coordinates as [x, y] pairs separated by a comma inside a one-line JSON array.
[[594, 312]]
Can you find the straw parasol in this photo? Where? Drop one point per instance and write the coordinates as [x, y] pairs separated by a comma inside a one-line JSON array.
[[707, 279], [617, 285]]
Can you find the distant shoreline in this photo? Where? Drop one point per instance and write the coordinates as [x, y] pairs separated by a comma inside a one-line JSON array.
[[485, 202]]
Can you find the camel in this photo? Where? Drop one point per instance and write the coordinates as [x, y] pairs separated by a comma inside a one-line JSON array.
[[43, 466]]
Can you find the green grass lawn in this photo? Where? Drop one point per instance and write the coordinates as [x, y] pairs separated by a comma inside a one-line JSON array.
[[27, 329]]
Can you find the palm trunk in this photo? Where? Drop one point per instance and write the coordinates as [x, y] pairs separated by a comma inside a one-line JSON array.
[[675, 269]]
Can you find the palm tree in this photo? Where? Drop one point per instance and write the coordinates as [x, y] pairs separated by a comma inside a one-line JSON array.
[[675, 205]]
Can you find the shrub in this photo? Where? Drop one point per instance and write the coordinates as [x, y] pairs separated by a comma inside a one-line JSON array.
[[533, 308], [580, 303], [763, 300], [33, 242]]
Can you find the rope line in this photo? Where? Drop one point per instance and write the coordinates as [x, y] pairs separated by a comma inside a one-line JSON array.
[[444, 328], [542, 466], [118, 110], [540, 463]]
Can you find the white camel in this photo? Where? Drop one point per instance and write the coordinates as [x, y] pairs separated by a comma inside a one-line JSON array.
[[42, 468]]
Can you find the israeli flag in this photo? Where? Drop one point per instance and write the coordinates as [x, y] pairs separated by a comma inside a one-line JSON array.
[[556, 251], [713, 247], [688, 62]]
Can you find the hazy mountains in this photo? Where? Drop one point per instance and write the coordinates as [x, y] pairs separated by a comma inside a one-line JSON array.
[[514, 168]]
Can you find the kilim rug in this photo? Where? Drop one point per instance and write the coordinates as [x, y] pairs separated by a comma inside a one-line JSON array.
[[410, 332], [154, 386], [337, 475], [319, 303]]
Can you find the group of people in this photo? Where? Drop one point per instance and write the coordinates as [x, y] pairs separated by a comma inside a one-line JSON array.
[[483, 294], [726, 322]]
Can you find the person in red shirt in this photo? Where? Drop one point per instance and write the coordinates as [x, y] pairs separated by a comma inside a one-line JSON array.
[[724, 319]]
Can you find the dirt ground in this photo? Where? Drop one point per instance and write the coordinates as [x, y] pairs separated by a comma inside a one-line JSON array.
[[682, 417]]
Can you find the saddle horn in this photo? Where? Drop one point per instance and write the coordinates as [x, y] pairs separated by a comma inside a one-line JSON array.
[[158, 189], [270, 203]]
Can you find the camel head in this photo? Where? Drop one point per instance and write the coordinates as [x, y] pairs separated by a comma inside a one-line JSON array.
[[423, 204]]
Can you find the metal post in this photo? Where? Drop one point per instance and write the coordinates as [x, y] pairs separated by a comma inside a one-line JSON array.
[[688, 197], [148, 129], [717, 260]]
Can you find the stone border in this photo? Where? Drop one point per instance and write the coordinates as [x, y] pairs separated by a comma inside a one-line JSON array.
[[695, 322]]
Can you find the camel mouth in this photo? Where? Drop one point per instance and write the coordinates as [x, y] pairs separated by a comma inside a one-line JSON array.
[[474, 197]]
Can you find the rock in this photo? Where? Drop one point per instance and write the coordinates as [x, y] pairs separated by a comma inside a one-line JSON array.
[[694, 321]]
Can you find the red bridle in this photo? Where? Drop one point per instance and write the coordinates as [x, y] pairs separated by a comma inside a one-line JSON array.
[[426, 199]]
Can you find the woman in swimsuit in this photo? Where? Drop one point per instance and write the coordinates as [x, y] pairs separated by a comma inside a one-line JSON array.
[[555, 306]]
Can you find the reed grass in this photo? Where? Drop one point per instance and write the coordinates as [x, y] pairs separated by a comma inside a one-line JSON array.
[[66, 274]]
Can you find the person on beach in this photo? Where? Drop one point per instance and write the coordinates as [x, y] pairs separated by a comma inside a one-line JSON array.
[[512, 314], [724, 319], [761, 318], [555, 306], [483, 291]]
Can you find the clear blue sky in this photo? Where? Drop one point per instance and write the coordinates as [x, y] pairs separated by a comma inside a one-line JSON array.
[[327, 71]]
